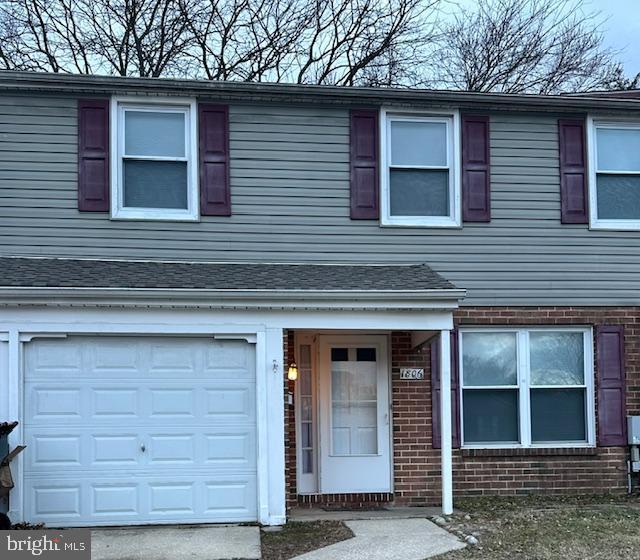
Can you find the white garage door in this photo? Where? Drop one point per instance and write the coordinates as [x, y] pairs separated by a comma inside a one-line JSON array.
[[130, 430]]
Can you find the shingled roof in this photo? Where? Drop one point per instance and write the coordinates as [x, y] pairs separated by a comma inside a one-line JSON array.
[[70, 273]]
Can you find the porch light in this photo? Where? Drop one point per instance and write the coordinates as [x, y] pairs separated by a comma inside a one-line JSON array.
[[292, 374]]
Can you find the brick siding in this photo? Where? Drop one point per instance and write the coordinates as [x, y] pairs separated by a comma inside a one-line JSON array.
[[496, 472]]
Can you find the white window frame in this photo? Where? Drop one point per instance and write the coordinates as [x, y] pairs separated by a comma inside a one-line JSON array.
[[452, 120], [593, 124], [524, 387], [119, 106]]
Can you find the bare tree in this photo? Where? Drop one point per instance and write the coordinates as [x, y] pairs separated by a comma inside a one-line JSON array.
[[306, 41], [124, 37], [524, 46]]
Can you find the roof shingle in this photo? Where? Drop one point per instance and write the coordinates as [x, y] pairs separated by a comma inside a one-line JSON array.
[[69, 273]]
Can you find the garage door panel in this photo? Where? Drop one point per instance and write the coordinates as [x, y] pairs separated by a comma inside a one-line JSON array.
[[115, 402], [145, 429], [54, 500], [51, 451], [50, 404], [221, 357], [49, 358], [117, 499]]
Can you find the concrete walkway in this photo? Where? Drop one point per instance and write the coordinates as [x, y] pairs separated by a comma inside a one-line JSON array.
[[389, 539], [391, 512], [176, 543]]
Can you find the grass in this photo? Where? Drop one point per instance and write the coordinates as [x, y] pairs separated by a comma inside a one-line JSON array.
[[585, 527], [299, 537]]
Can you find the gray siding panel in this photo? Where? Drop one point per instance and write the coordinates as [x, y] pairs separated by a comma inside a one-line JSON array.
[[290, 196]]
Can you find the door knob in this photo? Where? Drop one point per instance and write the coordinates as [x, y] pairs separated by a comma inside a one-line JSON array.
[[143, 448]]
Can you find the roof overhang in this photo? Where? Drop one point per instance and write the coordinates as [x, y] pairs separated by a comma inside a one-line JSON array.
[[73, 84], [412, 300]]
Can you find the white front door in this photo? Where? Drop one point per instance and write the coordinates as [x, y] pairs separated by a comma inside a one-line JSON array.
[[129, 430], [354, 414]]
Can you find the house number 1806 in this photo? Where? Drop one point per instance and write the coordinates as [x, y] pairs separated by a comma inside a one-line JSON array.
[[412, 373]]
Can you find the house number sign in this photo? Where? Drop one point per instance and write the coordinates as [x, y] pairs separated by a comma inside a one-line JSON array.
[[413, 374]]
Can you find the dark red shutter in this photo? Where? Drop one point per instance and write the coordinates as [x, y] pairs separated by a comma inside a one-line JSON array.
[[93, 155], [215, 194], [573, 175], [476, 179], [435, 392], [364, 164], [612, 427]]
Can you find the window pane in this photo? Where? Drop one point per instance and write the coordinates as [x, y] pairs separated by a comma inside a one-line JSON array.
[[339, 354], [490, 416], [618, 197], [489, 359], [307, 461], [558, 415], [366, 354], [148, 133], [354, 424], [419, 192], [618, 149], [418, 143], [557, 358], [155, 184]]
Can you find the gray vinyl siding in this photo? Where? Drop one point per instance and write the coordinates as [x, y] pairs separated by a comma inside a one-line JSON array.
[[290, 196]]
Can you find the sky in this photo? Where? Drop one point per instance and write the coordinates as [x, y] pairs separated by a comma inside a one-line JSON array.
[[620, 27], [622, 30]]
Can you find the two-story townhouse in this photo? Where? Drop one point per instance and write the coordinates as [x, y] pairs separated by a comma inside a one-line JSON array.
[[220, 300]]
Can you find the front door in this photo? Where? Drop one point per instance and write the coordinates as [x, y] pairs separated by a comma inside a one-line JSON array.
[[354, 414]]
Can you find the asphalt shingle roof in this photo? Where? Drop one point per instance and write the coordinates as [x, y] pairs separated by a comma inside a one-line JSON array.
[[69, 273]]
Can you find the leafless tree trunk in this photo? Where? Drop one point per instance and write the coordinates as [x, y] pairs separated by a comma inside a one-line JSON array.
[[524, 46]]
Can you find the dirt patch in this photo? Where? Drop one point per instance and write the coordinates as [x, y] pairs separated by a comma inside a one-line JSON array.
[[593, 528], [299, 537]]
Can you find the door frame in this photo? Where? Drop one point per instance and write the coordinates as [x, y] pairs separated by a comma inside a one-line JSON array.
[[314, 339]]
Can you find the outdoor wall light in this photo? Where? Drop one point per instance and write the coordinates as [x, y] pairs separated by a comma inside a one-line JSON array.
[[292, 373]]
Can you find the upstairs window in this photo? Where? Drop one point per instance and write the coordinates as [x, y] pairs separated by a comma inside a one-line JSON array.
[[615, 175], [154, 172], [420, 172]]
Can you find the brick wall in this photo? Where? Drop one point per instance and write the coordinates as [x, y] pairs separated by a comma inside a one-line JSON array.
[[289, 423], [499, 472]]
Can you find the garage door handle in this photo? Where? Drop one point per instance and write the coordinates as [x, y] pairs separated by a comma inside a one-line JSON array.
[[143, 448]]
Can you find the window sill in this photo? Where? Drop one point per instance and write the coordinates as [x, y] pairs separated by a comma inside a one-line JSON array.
[[154, 217], [425, 224], [615, 225], [530, 452]]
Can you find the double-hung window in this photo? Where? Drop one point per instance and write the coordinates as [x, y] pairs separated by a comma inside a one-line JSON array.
[[154, 173], [615, 175], [527, 387], [420, 170]]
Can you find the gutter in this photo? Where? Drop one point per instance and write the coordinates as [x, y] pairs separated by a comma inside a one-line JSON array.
[[33, 82], [236, 299]]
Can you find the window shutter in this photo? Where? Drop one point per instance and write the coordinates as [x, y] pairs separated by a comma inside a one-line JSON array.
[[93, 155], [573, 176], [364, 164], [215, 194], [436, 441], [476, 180], [611, 386]]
